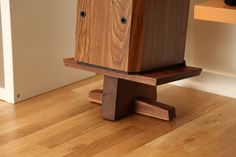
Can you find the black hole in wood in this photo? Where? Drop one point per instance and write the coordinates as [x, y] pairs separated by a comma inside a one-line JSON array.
[[82, 13], [123, 20]]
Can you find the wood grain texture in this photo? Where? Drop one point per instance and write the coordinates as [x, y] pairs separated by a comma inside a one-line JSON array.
[[136, 36], [96, 96], [101, 37], [119, 95], [152, 36], [64, 123], [165, 30], [152, 78], [154, 109], [215, 10], [143, 106]]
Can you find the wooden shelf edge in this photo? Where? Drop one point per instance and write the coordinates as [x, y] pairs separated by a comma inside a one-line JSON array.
[[153, 78], [216, 11]]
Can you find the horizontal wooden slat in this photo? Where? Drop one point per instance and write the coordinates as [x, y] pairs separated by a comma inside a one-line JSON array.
[[215, 10], [153, 78]]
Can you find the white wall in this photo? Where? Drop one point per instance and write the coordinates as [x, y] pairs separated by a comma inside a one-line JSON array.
[[1, 59], [42, 35], [212, 46]]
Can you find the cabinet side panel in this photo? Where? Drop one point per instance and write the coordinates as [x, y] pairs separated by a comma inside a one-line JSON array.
[[165, 30], [137, 35], [103, 34], [89, 33]]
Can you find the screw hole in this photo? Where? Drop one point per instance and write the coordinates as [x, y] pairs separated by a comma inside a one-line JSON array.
[[123, 20], [82, 13]]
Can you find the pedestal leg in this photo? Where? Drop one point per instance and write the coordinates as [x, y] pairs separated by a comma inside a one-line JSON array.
[[119, 96], [142, 106], [154, 109]]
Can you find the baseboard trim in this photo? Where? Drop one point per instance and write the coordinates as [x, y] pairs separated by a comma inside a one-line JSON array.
[[212, 82], [2, 94]]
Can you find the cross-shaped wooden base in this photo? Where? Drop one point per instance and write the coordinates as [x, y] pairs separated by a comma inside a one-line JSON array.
[[124, 93], [121, 98]]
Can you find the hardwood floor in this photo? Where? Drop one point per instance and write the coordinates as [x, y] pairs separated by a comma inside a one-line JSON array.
[[64, 123]]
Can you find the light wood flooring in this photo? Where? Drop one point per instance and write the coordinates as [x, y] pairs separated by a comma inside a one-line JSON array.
[[64, 123]]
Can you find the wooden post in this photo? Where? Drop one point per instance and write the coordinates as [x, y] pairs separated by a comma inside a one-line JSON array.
[[119, 96]]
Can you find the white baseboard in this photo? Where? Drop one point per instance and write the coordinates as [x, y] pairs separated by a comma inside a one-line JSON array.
[[2, 93], [212, 82]]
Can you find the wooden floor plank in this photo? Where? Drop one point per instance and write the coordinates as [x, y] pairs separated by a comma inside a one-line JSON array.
[[210, 135], [64, 123]]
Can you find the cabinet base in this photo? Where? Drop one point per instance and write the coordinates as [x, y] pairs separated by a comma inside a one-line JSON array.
[[121, 98], [124, 93]]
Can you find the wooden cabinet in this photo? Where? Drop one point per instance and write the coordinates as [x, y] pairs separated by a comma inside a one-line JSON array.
[[131, 35], [128, 41]]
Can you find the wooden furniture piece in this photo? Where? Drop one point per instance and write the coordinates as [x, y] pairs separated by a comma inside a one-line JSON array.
[[131, 35], [215, 10], [126, 93], [137, 45]]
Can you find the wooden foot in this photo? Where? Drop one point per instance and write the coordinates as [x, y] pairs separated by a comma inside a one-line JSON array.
[[119, 95], [154, 109], [95, 96], [141, 105]]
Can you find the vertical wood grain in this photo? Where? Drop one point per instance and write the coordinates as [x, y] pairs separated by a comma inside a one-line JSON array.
[[102, 39], [165, 29], [153, 36], [119, 95], [136, 36]]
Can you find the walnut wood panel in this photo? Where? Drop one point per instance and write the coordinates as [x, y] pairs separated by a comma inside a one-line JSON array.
[[136, 36], [131, 35], [102, 38], [153, 78], [142, 106], [165, 29], [119, 94]]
